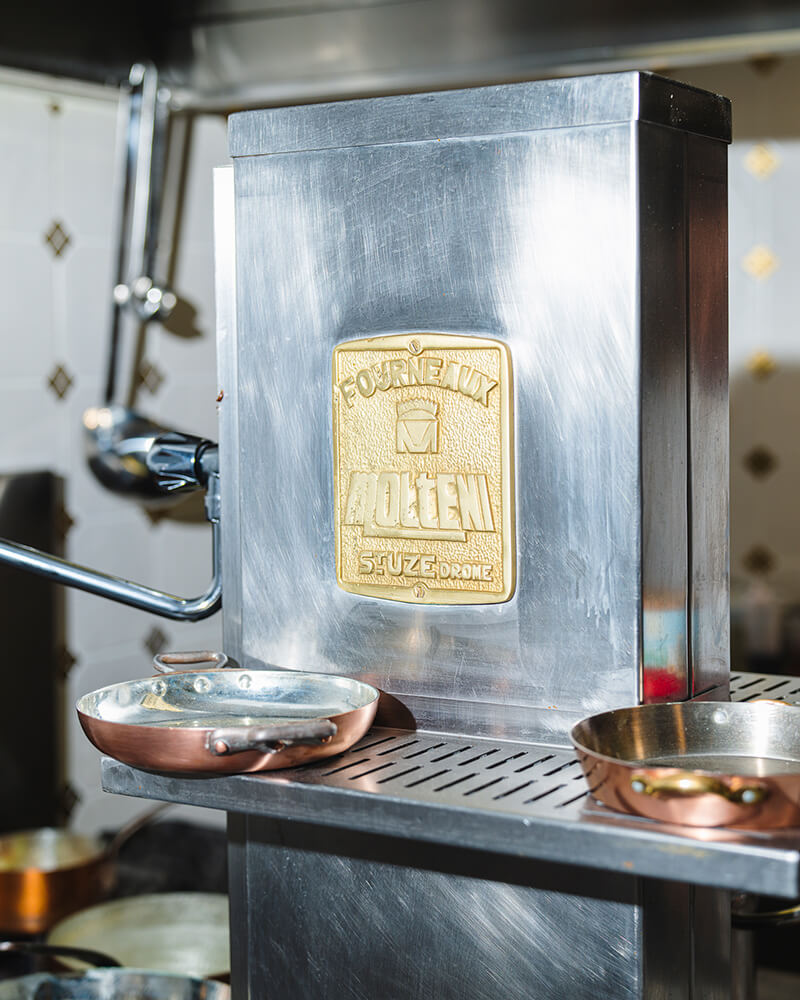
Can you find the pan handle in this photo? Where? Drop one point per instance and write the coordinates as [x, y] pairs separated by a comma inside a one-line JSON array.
[[270, 739], [765, 918], [88, 955], [165, 663], [687, 784]]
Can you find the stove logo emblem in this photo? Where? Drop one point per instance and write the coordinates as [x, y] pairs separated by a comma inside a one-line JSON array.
[[423, 480], [417, 427]]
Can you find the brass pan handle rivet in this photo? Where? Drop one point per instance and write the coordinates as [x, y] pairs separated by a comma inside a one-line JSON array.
[[221, 747], [201, 685], [637, 785]]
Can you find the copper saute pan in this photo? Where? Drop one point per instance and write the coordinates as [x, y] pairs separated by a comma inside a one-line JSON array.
[[698, 763], [228, 721]]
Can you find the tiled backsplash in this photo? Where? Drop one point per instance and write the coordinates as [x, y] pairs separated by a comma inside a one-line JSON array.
[[57, 178], [764, 175], [57, 172]]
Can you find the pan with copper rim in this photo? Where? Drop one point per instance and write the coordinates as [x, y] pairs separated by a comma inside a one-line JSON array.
[[227, 721], [700, 763]]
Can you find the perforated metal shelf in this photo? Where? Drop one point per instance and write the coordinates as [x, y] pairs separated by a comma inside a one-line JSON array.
[[508, 798]]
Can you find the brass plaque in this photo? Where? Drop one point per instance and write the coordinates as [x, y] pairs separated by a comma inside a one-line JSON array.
[[423, 471]]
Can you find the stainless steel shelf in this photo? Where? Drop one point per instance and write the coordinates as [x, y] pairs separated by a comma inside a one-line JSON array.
[[506, 798]]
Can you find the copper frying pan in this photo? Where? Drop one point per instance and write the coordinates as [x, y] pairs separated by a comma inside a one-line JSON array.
[[698, 763], [228, 721]]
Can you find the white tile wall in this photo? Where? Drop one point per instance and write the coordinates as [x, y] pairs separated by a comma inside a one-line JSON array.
[[57, 163], [765, 412]]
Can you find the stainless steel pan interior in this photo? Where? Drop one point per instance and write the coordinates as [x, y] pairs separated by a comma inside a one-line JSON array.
[[112, 984], [699, 763], [228, 721]]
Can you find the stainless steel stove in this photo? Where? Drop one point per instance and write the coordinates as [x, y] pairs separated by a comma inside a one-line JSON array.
[[473, 449]]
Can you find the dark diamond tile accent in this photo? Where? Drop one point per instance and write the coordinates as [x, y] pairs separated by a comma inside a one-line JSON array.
[[760, 462], [150, 376], [759, 560], [64, 522], [60, 381], [70, 797], [65, 660], [766, 64], [155, 640], [57, 237]]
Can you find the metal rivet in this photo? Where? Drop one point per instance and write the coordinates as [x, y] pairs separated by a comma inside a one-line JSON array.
[[637, 785], [749, 795], [160, 688], [414, 346], [720, 716], [245, 681], [419, 591], [201, 685], [220, 747]]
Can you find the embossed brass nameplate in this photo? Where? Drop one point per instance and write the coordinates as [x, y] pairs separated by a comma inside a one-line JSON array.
[[423, 471]]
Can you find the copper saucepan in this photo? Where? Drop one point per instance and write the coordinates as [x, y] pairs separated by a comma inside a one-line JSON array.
[[698, 763], [229, 721], [48, 873]]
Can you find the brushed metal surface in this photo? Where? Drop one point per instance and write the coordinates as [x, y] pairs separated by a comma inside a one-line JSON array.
[[482, 111], [363, 919], [568, 244], [493, 809], [282, 52], [707, 207]]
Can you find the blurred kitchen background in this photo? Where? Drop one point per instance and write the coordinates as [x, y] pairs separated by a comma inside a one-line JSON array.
[[63, 73]]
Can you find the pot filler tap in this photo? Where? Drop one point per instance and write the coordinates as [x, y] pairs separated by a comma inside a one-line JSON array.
[[128, 453]]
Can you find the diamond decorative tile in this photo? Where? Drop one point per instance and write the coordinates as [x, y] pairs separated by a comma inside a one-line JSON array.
[[759, 560], [150, 376], [57, 238], [761, 161], [65, 660], [760, 462], [64, 521], [765, 65], [70, 798], [155, 640], [155, 515], [60, 381], [762, 365], [761, 262]]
